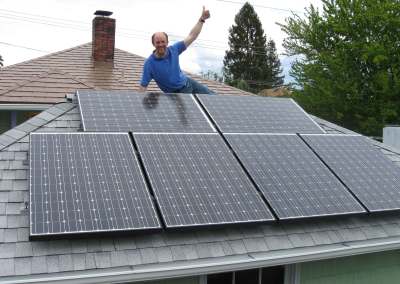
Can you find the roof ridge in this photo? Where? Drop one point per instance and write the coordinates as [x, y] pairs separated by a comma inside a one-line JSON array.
[[15, 134]]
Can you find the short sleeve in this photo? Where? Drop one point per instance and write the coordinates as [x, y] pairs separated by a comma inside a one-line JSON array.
[[179, 46]]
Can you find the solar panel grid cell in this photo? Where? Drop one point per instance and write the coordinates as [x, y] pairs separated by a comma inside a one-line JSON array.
[[373, 178], [245, 114], [292, 178], [122, 111], [197, 181], [83, 183]]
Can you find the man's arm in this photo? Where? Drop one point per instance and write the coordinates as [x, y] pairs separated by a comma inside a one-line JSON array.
[[194, 33], [142, 89]]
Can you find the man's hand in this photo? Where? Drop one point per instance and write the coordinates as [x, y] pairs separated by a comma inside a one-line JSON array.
[[205, 14]]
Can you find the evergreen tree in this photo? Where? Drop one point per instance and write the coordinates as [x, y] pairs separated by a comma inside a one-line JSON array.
[[248, 62], [348, 62], [274, 65]]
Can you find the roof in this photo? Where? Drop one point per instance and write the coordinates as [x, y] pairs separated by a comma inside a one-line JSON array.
[[171, 253], [49, 78]]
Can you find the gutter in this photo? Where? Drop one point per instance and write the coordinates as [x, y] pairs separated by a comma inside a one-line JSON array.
[[25, 106], [211, 265]]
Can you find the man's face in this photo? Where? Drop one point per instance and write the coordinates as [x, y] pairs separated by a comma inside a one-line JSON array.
[[160, 43]]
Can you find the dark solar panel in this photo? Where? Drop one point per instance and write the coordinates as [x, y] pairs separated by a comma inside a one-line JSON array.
[[86, 183], [251, 114], [292, 178], [373, 178], [125, 111], [197, 180]]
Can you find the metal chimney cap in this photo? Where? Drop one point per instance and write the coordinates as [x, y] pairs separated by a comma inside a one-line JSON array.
[[103, 13]]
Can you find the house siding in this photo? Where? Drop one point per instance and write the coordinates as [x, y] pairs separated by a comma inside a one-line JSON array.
[[374, 268], [186, 280]]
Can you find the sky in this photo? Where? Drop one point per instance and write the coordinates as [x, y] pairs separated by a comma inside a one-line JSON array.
[[29, 29]]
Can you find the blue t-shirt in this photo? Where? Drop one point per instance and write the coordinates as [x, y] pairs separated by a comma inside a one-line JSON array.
[[165, 71]]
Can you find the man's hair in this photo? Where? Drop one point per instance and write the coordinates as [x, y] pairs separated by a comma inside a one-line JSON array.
[[152, 37]]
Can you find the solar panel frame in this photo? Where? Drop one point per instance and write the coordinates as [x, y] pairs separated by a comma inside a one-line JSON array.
[[235, 115], [156, 172], [133, 177], [128, 111], [294, 181], [361, 161]]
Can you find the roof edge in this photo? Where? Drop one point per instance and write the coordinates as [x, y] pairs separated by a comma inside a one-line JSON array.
[[217, 265]]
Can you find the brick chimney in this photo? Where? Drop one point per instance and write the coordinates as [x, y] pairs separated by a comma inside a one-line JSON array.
[[103, 37]]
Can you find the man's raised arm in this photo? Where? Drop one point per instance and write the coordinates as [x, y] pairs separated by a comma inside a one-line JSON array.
[[194, 33]]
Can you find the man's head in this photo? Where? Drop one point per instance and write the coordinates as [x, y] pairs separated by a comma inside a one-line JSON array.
[[160, 42]]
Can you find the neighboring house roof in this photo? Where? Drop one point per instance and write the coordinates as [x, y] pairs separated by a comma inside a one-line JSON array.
[[49, 78], [151, 255]]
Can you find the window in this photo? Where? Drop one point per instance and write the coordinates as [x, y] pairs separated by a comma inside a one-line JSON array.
[[266, 275], [11, 118]]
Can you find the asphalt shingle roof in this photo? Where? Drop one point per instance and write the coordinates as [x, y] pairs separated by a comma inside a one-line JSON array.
[[156, 250]]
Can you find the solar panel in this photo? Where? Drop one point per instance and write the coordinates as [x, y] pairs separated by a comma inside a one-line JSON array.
[[125, 111], [292, 178], [365, 170], [197, 181], [252, 114], [86, 183]]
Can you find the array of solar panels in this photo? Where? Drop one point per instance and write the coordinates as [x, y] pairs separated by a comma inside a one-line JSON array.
[[197, 161]]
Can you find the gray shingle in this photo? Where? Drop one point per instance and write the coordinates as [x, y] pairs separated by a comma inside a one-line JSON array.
[[23, 234], [65, 262], [14, 208], [55, 111], [163, 254], [102, 259], [7, 155], [79, 261], [2, 235], [177, 253], [59, 247], [134, 257], [255, 245], [39, 264], [3, 208], [335, 237], [93, 245], [5, 165], [373, 232], [237, 246], [301, 240], [18, 196], [147, 255], [78, 246], [3, 222], [20, 185], [21, 174], [40, 248], [52, 263], [18, 165], [21, 156], [233, 234], [119, 258], [16, 133], [10, 235], [143, 242], [349, 235], [107, 245], [26, 127], [321, 238], [23, 249], [227, 249], [19, 147], [6, 185], [125, 243], [23, 265], [7, 267], [45, 115], [6, 140], [392, 229], [7, 250], [190, 251], [157, 240], [4, 196], [204, 250], [16, 221], [278, 242], [90, 262]]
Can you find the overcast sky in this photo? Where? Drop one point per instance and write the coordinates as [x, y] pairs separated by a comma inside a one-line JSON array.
[[30, 29]]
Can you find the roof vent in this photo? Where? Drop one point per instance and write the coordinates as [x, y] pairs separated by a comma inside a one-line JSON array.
[[103, 13]]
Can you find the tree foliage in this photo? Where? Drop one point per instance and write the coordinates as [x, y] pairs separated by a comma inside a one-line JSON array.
[[348, 66], [212, 75], [250, 63]]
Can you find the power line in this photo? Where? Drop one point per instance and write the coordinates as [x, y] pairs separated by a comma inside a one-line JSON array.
[[262, 6], [24, 47]]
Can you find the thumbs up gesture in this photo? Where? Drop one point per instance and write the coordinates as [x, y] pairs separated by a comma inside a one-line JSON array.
[[205, 14]]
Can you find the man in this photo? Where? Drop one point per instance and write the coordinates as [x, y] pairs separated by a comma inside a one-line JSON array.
[[163, 64]]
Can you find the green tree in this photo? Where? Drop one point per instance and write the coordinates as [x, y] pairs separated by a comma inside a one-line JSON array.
[[248, 63], [274, 64], [348, 65], [212, 75]]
